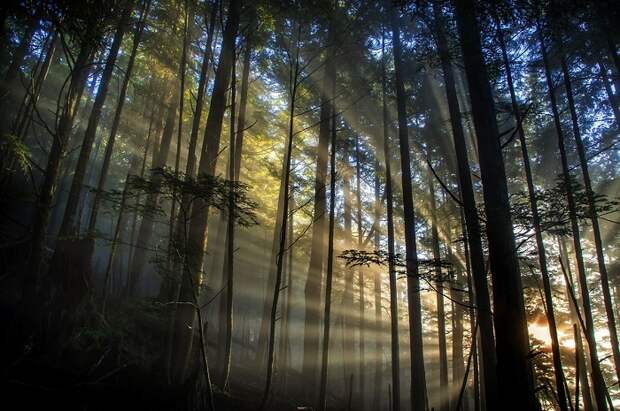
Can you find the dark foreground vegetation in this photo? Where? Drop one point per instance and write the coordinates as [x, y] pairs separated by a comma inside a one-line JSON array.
[[319, 204]]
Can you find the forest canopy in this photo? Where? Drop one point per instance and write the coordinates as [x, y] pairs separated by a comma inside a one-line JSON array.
[[310, 205]]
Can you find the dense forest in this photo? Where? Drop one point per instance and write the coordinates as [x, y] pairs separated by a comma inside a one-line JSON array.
[[310, 205]]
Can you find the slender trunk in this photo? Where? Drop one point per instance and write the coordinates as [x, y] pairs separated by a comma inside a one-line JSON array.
[[134, 223], [199, 210], [37, 85], [107, 286], [542, 258], [473, 319], [322, 405], [109, 148], [243, 102], [285, 326], [597, 376], [582, 373], [8, 89], [387, 153], [419, 399], [68, 222], [512, 345], [346, 308], [230, 235], [139, 262], [378, 325], [52, 171], [202, 86], [444, 394], [473, 232], [593, 214], [360, 273], [294, 78], [314, 279]]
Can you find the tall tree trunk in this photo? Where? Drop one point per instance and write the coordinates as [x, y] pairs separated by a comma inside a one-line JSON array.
[[419, 399], [284, 350], [378, 329], [378, 320], [243, 102], [582, 375], [360, 273], [202, 88], [160, 158], [314, 278], [47, 190], [68, 222], [322, 405], [107, 157], [512, 345], [387, 154], [597, 376], [230, 234], [540, 245], [593, 214], [199, 212], [473, 232], [8, 84], [293, 87], [37, 84], [444, 392], [154, 128], [346, 308]]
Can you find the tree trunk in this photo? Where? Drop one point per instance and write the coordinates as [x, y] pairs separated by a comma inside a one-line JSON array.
[[200, 212], [139, 262], [473, 232], [202, 88], [68, 222], [378, 325], [314, 279], [593, 214], [542, 258], [243, 102], [419, 399], [360, 273], [582, 375], [387, 153], [512, 345], [598, 381], [52, 171], [444, 392], [283, 225], [107, 157], [230, 235], [322, 406]]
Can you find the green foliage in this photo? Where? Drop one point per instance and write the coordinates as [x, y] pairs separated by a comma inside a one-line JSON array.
[[14, 148]]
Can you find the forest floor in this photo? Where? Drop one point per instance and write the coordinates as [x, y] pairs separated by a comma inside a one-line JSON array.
[[85, 372]]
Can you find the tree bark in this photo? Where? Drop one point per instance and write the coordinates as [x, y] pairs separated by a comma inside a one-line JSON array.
[[322, 405], [314, 279], [512, 345], [294, 77], [45, 200], [597, 377], [419, 399], [593, 214], [542, 258], [199, 212], [473, 232], [387, 154], [107, 157], [68, 224]]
